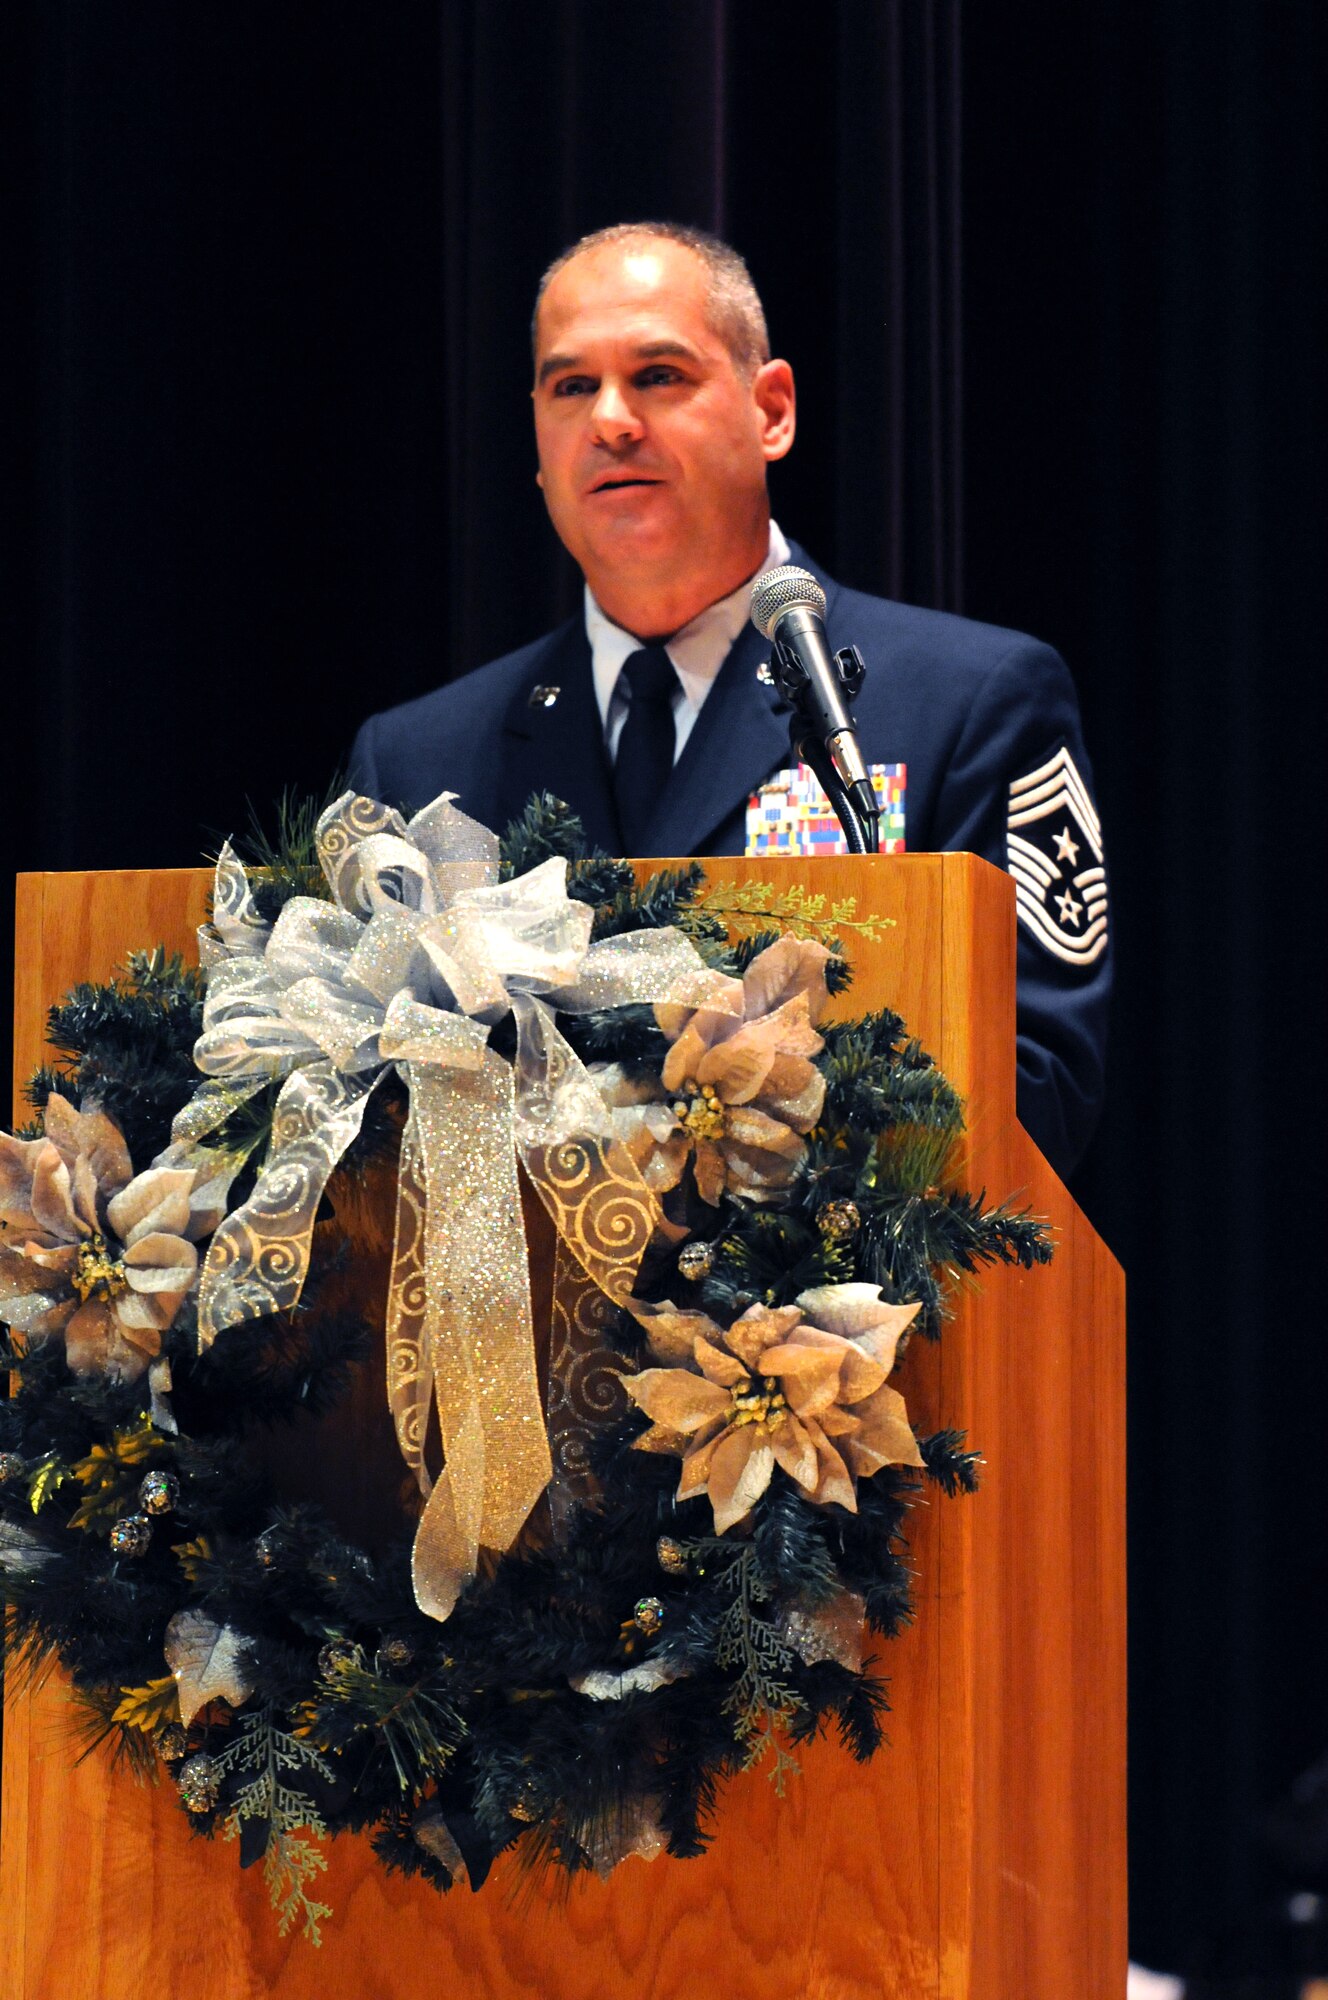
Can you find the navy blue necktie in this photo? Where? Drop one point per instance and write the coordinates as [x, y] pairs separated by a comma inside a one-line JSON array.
[[645, 747]]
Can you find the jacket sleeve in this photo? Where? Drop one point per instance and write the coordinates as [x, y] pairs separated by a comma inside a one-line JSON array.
[[1019, 791]]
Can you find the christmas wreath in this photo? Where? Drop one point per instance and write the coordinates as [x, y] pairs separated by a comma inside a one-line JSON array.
[[639, 1562]]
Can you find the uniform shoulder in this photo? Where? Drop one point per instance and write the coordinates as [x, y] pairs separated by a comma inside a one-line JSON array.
[[965, 646]]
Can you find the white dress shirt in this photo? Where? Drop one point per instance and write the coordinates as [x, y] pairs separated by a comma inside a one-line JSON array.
[[697, 652]]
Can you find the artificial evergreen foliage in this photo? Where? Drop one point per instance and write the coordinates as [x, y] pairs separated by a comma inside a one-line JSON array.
[[284, 863], [954, 1469], [547, 828], [129, 1045]]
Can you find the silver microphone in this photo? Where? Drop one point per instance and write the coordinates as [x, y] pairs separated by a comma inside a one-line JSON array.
[[788, 608]]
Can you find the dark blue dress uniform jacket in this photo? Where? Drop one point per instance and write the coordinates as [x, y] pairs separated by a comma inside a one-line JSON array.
[[970, 709]]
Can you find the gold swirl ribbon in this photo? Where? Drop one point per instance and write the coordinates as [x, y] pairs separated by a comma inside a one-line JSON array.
[[585, 1391], [420, 952]]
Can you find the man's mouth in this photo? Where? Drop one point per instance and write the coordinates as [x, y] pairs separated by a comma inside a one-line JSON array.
[[616, 482]]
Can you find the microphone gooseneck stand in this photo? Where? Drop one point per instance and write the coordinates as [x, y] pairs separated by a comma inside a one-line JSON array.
[[853, 797], [861, 826]]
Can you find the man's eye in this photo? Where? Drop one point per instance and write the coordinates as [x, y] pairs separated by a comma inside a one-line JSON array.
[[657, 378], [574, 385]]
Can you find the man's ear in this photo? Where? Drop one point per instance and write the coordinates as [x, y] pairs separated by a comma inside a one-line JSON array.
[[776, 401], [539, 481]]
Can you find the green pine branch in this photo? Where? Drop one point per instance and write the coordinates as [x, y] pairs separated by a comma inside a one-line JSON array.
[[545, 827], [285, 863], [416, 1721]]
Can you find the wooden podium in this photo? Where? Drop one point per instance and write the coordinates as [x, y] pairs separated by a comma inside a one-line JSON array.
[[981, 1856]]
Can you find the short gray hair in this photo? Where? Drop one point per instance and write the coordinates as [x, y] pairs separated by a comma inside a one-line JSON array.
[[735, 309]]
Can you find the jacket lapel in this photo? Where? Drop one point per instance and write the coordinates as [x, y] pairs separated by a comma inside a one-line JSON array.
[[560, 748], [740, 737]]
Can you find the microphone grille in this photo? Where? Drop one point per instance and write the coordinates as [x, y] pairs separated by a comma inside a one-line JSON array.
[[778, 589]]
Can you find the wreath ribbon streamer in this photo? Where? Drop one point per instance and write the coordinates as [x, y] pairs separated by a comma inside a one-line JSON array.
[[420, 952]]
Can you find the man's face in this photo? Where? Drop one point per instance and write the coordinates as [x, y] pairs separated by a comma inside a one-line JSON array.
[[652, 446]]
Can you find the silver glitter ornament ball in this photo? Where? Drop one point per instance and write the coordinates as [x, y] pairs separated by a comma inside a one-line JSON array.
[[839, 1219], [11, 1467], [672, 1555], [265, 1548], [172, 1742], [132, 1535], [696, 1261], [198, 1782], [648, 1616], [159, 1492]]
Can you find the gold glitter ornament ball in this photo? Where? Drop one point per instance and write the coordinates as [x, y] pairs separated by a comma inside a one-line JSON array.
[[172, 1742], [159, 1492], [648, 1616], [131, 1536], [839, 1220], [696, 1261], [198, 1782], [524, 1808], [396, 1652], [336, 1653], [672, 1555]]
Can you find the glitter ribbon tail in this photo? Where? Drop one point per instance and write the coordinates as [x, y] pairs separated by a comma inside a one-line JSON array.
[[477, 1347]]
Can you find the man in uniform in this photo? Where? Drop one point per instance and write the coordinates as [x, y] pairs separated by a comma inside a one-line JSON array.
[[657, 410]]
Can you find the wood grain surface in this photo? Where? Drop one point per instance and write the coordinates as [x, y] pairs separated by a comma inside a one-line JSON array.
[[980, 1857]]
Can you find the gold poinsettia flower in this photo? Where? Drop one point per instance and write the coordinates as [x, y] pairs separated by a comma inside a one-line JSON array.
[[736, 1093], [803, 1387], [91, 1251]]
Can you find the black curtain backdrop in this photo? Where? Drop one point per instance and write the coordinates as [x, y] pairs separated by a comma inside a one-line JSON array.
[[283, 261], [1146, 320], [270, 271]]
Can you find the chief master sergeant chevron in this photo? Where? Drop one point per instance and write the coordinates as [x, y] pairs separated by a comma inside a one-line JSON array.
[[657, 411]]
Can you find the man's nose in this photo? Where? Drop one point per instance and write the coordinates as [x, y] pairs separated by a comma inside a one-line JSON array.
[[613, 417]]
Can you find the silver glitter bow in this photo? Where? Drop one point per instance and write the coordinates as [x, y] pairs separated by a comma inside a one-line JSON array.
[[420, 952]]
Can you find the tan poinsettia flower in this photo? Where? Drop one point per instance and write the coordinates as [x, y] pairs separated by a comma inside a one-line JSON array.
[[736, 1093], [91, 1251], [803, 1387]]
